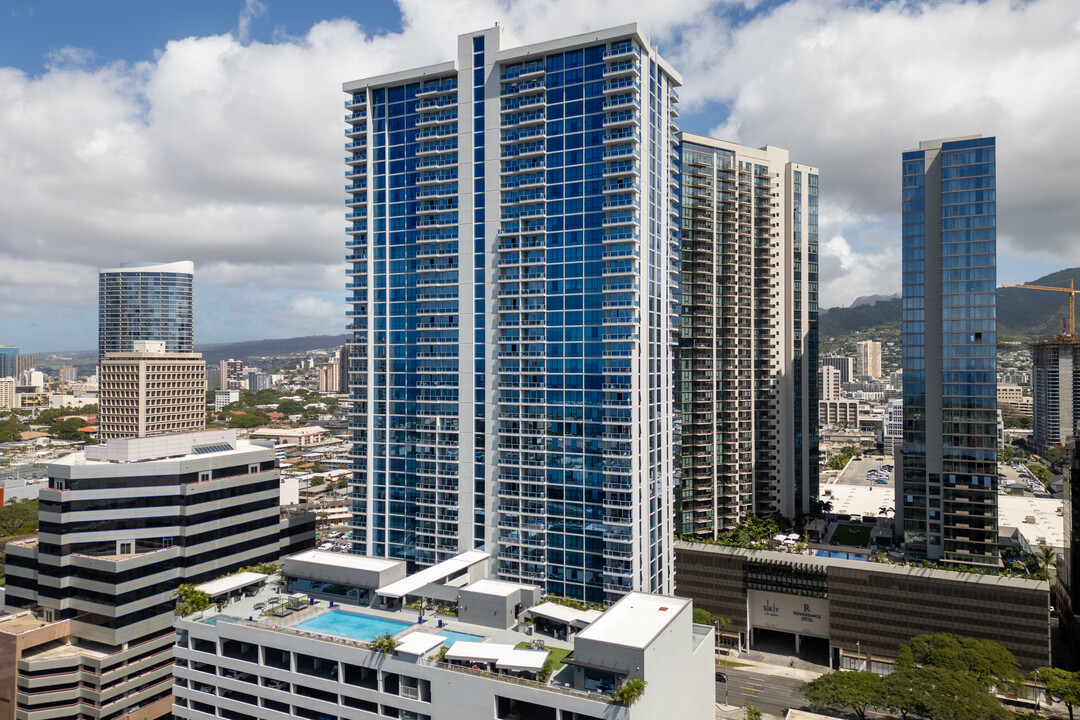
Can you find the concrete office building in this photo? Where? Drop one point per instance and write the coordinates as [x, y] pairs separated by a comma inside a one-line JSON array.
[[121, 526], [257, 381], [329, 377], [868, 359], [26, 362], [233, 374], [213, 377], [1055, 391], [748, 383], [343, 368], [7, 393], [946, 479], [846, 366], [280, 668], [892, 429], [514, 277], [151, 392], [224, 398], [828, 383], [845, 413], [145, 301], [855, 614]]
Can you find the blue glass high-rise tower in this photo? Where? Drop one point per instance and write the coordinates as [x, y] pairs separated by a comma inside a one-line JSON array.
[[946, 494], [145, 301], [514, 295], [9, 361]]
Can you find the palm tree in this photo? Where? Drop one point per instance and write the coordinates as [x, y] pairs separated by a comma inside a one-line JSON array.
[[1047, 557]]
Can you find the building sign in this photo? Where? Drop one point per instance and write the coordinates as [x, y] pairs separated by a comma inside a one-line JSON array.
[[789, 613]]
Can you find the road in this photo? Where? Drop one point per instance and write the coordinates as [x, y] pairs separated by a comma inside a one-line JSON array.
[[769, 693]]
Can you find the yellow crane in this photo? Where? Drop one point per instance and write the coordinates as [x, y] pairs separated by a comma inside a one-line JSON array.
[[1072, 300]]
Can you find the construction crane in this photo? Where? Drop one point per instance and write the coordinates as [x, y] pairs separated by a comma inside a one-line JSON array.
[[1072, 300]]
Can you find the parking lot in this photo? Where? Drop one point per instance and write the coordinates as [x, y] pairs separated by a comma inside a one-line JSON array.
[[855, 473]]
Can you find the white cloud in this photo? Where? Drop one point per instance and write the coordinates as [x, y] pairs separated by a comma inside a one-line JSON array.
[[848, 88], [229, 152], [847, 275]]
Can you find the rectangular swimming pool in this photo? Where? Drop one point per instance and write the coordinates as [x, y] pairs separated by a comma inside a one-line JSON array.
[[452, 637], [351, 625]]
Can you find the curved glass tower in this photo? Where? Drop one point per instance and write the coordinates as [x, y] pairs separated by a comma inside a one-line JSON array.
[[145, 301]]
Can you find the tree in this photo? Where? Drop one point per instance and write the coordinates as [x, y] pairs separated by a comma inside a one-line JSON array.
[[290, 407], [988, 662], [752, 713], [939, 693], [248, 420], [10, 430], [1047, 557], [839, 691], [189, 600], [1055, 455], [69, 430], [1061, 685], [384, 643]]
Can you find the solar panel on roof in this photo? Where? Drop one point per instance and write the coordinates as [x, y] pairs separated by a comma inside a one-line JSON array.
[[216, 447]]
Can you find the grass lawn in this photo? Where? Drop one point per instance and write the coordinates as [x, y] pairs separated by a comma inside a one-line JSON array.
[[557, 654], [852, 535], [731, 663]]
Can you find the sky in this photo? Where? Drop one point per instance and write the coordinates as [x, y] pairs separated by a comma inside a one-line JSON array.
[[212, 131]]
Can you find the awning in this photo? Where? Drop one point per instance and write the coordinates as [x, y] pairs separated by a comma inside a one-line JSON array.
[[439, 573], [232, 583]]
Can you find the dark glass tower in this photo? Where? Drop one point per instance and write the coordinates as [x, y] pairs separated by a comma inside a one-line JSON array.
[[946, 497], [145, 302]]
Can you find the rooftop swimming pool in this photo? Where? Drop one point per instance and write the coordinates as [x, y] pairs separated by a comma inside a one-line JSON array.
[[840, 554], [351, 625], [453, 636]]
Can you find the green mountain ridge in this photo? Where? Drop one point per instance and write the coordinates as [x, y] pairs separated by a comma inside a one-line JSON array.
[[1022, 315]]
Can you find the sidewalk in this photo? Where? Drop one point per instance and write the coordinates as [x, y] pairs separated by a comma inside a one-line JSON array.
[[759, 668], [735, 712]]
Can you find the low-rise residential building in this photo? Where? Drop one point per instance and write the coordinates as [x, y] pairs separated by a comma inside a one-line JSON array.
[[301, 437], [839, 412], [310, 658]]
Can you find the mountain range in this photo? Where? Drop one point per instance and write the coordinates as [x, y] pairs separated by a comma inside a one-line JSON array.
[[1022, 315]]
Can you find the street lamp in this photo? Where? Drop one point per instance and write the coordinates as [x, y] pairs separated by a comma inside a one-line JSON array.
[[858, 654]]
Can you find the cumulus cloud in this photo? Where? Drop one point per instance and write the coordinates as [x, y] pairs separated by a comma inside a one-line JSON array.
[[848, 88], [228, 151]]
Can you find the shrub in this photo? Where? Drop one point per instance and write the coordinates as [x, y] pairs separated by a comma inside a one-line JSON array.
[[629, 692], [190, 600], [384, 643]]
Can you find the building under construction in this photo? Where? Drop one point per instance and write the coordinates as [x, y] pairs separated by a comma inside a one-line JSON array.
[[1055, 389]]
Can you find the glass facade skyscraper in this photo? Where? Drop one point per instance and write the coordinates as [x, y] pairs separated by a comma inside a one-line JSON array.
[[747, 378], [514, 297], [9, 361], [145, 301], [946, 497]]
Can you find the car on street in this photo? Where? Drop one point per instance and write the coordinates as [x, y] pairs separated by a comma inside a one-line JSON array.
[[721, 677]]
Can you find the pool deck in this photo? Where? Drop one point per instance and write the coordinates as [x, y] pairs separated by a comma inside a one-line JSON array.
[[244, 609]]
